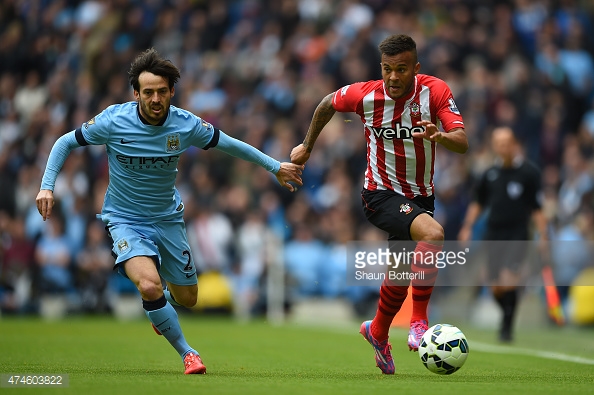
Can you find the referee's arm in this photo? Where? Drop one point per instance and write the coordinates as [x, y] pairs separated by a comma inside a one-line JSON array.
[[472, 213]]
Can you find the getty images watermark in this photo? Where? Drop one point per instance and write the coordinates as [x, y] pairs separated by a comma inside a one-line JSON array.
[[473, 264], [372, 263]]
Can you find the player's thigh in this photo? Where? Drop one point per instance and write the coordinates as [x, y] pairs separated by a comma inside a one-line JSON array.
[[177, 262], [142, 271], [131, 241], [390, 212]]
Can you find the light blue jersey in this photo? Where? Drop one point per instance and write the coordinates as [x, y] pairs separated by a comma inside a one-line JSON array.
[[143, 158], [142, 208]]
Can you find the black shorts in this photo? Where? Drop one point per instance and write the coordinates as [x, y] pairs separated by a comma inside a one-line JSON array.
[[506, 249], [394, 213]]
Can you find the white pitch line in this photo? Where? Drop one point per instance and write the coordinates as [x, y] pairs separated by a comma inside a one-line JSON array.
[[495, 349], [475, 345]]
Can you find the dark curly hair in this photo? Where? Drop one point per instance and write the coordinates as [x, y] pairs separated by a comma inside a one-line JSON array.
[[151, 61], [397, 44]]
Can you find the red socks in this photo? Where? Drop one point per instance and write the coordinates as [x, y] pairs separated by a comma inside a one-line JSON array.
[[390, 301], [422, 288], [392, 297]]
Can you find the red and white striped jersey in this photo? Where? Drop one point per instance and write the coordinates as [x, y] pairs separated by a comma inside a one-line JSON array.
[[395, 160]]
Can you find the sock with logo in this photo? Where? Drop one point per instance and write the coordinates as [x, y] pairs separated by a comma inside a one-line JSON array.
[[423, 287], [164, 318], [390, 301]]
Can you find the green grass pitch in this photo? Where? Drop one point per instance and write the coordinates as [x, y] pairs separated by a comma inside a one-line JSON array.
[[102, 355]]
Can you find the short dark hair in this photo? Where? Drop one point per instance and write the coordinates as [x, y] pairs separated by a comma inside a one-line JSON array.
[[151, 61], [397, 44]]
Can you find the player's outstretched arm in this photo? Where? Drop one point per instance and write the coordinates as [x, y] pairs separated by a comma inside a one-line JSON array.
[[57, 157], [285, 172], [322, 115]]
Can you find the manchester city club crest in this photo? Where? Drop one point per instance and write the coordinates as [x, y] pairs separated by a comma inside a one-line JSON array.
[[173, 143], [123, 246]]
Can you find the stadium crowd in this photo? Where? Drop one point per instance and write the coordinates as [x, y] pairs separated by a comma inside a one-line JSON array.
[[257, 69]]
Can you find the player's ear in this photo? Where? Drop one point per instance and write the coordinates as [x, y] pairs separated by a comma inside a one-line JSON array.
[[173, 91], [417, 68], [136, 95]]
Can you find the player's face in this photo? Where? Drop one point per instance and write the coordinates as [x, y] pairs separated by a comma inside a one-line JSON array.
[[154, 97], [398, 72]]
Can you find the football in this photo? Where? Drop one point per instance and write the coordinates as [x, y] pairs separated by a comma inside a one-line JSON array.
[[443, 349]]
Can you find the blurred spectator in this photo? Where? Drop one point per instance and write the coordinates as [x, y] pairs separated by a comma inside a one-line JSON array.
[[17, 265], [577, 181], [210, 236], [94, 270], [54, 257], [253, 237], [30, 97], [571, 250], [304, 258]]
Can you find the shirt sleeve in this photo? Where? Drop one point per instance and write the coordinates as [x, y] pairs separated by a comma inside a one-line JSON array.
[[446, 110], [239, 149], [60, 151], [348, 98], [96, 130], [535, 194]]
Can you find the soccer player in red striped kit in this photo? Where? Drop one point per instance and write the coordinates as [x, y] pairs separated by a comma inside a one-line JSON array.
[[401, 115]]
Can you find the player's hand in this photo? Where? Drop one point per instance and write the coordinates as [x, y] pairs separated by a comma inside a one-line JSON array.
[[431, 132], [299, 155], [45, 202], [290, 172]]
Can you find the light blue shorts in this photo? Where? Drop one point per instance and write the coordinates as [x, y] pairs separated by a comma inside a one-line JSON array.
[[165, 241]]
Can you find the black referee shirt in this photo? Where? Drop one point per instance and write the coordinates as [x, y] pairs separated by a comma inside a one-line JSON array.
[[510, 194]]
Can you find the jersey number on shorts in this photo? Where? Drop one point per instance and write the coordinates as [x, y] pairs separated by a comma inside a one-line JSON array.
[[188, 267]]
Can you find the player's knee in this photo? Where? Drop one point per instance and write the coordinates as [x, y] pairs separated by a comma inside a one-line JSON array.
[[149, 290], [433, 233]]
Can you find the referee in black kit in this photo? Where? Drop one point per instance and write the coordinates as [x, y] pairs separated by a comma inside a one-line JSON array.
[[510, 191]]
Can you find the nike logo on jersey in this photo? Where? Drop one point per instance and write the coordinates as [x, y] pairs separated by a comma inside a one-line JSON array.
[[189, 275], [127, 142]]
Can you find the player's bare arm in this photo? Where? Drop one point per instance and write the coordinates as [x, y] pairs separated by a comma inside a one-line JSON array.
[[322, 115], [45, 202], [289, 172], [455, 140]]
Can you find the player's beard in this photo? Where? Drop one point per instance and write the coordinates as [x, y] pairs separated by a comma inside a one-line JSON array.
[[146, 109]]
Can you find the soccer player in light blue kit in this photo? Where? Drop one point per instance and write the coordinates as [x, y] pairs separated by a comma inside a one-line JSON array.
[[142, 209]]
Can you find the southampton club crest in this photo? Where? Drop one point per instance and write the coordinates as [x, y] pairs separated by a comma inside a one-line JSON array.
[[405, 208], [415, 110], [173, 143]]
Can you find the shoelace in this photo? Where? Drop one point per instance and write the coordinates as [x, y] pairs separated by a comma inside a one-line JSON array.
[[386, 351], [418, 328]]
